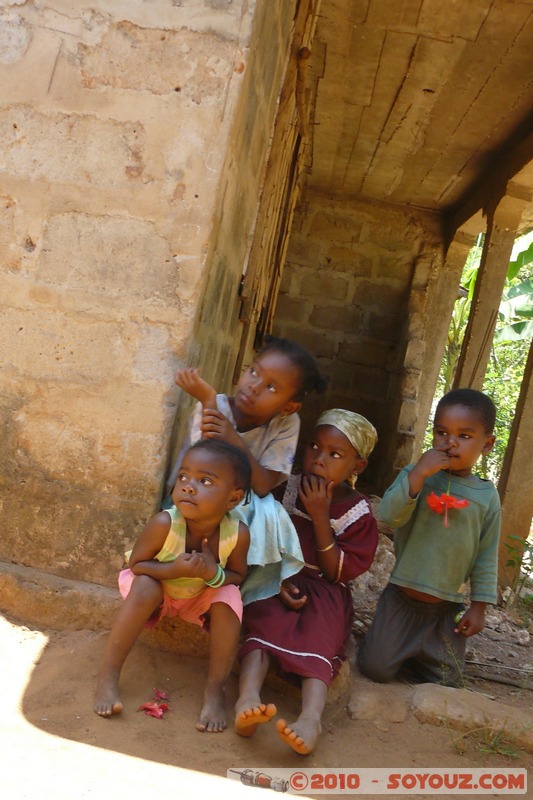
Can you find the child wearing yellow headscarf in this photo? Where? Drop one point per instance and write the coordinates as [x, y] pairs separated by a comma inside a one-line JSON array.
[[306, 627]]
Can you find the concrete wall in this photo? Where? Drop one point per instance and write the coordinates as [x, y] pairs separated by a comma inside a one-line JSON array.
[[357, 285], [135, 143], [121, 187], [217, 332]]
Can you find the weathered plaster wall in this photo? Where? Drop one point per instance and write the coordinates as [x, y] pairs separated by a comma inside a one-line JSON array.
[[115, 120], [218, 328], [357, 285]]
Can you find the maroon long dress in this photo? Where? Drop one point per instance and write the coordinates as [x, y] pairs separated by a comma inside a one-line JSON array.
[[311, 642]]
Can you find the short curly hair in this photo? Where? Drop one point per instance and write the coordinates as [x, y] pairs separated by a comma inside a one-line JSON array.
[[475, 400], [239, 461]]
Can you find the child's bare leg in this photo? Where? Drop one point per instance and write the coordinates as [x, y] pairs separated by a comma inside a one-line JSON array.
[[303, 733], [144, 598], [190, 381], [224, 630], [249, 710]]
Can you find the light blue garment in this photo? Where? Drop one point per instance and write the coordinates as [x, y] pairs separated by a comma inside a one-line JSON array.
[[275, 553]]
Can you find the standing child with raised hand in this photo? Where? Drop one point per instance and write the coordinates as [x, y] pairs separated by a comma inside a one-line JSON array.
[[306, 627], [262, 419], [188, 562], [447, 524]]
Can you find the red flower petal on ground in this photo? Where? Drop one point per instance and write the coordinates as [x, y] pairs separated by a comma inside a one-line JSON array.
[[159, 695], [154, 709]]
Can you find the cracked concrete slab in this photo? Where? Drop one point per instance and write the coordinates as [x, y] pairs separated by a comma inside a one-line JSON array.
[[458, 709], [61, 604], [464, 710]]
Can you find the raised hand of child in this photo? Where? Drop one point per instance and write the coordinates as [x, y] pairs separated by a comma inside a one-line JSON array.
[[197, 564], [288, 594], [188, 565], [433, 460], [429, 463], [316, 495], [208, 562], [190, 381], [216, 426]]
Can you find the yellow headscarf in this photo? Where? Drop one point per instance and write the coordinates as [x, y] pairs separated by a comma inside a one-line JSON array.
[[357, 429]]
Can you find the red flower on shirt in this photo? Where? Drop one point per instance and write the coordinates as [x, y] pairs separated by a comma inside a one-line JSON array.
[[443, 503]]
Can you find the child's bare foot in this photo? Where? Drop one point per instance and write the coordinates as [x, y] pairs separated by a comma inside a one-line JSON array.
[[213, 714], [190, 381], [106, 697], [251, 715], [301, 736]]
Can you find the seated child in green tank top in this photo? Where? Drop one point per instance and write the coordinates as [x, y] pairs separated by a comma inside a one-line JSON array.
[[188, 561]]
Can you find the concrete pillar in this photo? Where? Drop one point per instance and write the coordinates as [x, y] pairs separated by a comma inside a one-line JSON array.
[[516, 480], [502, 225], [445, 296]]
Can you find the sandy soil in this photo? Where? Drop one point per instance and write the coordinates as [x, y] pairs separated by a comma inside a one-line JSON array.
[[57, 699]]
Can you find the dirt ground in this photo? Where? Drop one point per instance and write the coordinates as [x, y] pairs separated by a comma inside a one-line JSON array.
[[56, 697]]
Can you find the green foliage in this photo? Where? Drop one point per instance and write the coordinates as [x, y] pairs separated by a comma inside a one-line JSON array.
[[488, 739], [516, 313], [524, 259], [523, 607], [521, 559], [509, 349], [502, 382]]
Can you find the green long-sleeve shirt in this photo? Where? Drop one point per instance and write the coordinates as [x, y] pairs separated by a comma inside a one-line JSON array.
[[438, 560]]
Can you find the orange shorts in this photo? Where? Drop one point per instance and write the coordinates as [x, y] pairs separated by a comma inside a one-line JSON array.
[[192, 609]]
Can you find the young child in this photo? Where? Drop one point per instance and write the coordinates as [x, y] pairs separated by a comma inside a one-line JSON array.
[[188, 562], [262, 419], [448, 523], [306, 627]]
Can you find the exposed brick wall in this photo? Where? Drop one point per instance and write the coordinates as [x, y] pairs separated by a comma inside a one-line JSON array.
[[355, 286], [134, 155]]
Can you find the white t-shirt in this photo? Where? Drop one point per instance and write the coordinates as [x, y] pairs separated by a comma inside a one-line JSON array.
[[272, 444]]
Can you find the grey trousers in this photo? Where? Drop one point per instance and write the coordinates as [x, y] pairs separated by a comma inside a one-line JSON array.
[[418, 637]]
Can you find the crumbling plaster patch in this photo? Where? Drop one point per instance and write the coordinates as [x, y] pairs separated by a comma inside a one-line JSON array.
[[107, 255], [9, 252], [70, 148], [111, 179], [229, 20], [196, 66], [14, 37]]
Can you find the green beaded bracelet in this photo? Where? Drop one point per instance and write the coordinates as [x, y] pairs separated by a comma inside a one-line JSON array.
[[218, 579]]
